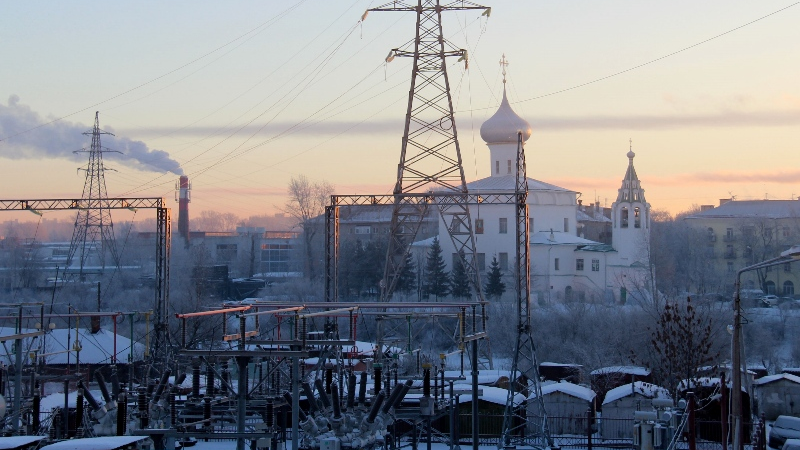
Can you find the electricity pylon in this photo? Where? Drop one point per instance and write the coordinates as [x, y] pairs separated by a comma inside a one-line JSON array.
[[93, 235]]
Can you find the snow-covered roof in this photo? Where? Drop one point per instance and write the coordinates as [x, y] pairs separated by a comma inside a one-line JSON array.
[[494, 395], [708, 382], [768, 209], [97, 443], [485, 376], [558, 238], [555, 364], [781, 376], [590, 215], [628, 370], [639, 387], [571, 389], [507, 183], [14, 442], [96, 348]]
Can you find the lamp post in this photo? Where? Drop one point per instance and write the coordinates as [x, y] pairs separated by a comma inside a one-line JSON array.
[[787, 256]]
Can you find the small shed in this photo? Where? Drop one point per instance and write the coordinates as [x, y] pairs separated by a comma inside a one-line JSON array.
[[566, 405], [491, 407], [605, 379], [103, 443], [620, 404], [777, 395]]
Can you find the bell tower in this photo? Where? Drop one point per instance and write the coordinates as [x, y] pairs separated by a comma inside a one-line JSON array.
[[631, 219]]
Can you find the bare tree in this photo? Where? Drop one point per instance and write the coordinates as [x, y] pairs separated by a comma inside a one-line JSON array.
[[215, 221], [306, 204]]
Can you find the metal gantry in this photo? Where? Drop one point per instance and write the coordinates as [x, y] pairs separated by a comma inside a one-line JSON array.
[[160, 345], [93, 234], [430, 156]]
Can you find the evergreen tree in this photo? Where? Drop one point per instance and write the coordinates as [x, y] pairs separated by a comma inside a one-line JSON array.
[[494, 286], [459, 280], [407, 281], [437, 281]]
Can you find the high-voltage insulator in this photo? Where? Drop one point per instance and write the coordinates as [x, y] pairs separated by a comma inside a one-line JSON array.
[[269, 418], [362, 389], [405, 388], [173, 408], [181, 378], [207, 411], [122, 413], [37, 402], [89, 397], [101, 383], [392, 397], [378, 369], [141, 403], [426, 380], [115, 386], [161, 385], [351, 391], [288, 397], [209, 379], [323, 397], [328, 379], [337, 409], [196, 381], [376, 406], [312, 402]]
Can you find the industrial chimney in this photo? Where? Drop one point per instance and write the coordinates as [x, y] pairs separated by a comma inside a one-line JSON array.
[[184, 197]]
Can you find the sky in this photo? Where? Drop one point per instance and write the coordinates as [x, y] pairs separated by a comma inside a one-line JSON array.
[[241, 96]]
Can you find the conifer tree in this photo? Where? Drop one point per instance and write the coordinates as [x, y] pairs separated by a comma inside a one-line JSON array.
[[407, 281], [494, 286], [459, 280], [437, 281]]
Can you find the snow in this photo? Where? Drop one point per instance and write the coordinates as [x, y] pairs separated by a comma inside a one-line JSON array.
[[553, 364], [571, 389], [13, 442], [99, 443], [95, 348], [780, 376], [708, 382], [638, 387], [57, 400], [628, 370], [494, 395]]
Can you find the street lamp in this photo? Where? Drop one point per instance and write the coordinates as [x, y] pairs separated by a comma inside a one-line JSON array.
[[790, 255]]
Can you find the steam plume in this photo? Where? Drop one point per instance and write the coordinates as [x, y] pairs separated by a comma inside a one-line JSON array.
[[60, 139]]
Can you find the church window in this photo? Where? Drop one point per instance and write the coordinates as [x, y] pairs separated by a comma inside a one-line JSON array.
[[503, 261], [637, 218], [623, 218], [556, 264], [595, 265], [497, 167], [769, 287], [566, 225], [503, 225], [481, 261], [509, 166], [478, 226], [579, 264]]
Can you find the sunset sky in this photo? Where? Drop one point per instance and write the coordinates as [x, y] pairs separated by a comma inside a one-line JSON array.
[[243, 95]]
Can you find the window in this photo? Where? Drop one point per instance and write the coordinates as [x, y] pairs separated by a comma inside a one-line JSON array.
[[566, 225], [478, 226], [579, 264], [509, 166], [226, 252], [503, 225], [531, 229], [555, 264], [455, 225], [730, 267], [623, 218], [481, 261], [769, 287], [497, 167], [275, 257], [595, 265], [363, 230], [503, 261], [729, 233], [787, 267], [637, 218], [788, 288]]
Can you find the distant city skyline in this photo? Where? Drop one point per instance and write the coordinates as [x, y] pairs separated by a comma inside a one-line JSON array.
[[243, 96]]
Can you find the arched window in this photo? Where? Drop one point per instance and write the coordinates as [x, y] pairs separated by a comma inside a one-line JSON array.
[[769, 287], [788, 288], [623, 217], [637, 218]]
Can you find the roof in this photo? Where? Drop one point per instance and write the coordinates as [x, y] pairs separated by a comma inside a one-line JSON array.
[[504, 125], [769, 209], [15, 442], [596, 247], [708, 382], [638, 387], [590, 215], [558, 238], [495, 395], [507, 183], [98, 443], [629, 370], [555, 364], [772, 378], [567, 388]]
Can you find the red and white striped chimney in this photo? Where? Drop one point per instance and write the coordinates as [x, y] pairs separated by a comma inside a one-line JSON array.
[[184, 197]]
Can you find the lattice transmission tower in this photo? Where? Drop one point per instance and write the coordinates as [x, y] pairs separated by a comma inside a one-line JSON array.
[[93, 235], [430, 158], [521, 426]]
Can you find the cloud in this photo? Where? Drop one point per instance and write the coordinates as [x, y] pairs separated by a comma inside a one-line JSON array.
[[60, 139]]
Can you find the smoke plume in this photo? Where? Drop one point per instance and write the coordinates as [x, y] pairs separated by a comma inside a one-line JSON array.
[[60, 139]]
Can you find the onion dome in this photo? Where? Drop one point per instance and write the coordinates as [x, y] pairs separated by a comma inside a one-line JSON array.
[[504, 125]]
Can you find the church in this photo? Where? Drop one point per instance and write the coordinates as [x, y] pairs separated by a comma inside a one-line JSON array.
[[564, 266]]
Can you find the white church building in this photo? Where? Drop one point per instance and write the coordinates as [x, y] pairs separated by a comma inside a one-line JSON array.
[[564, 266]]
